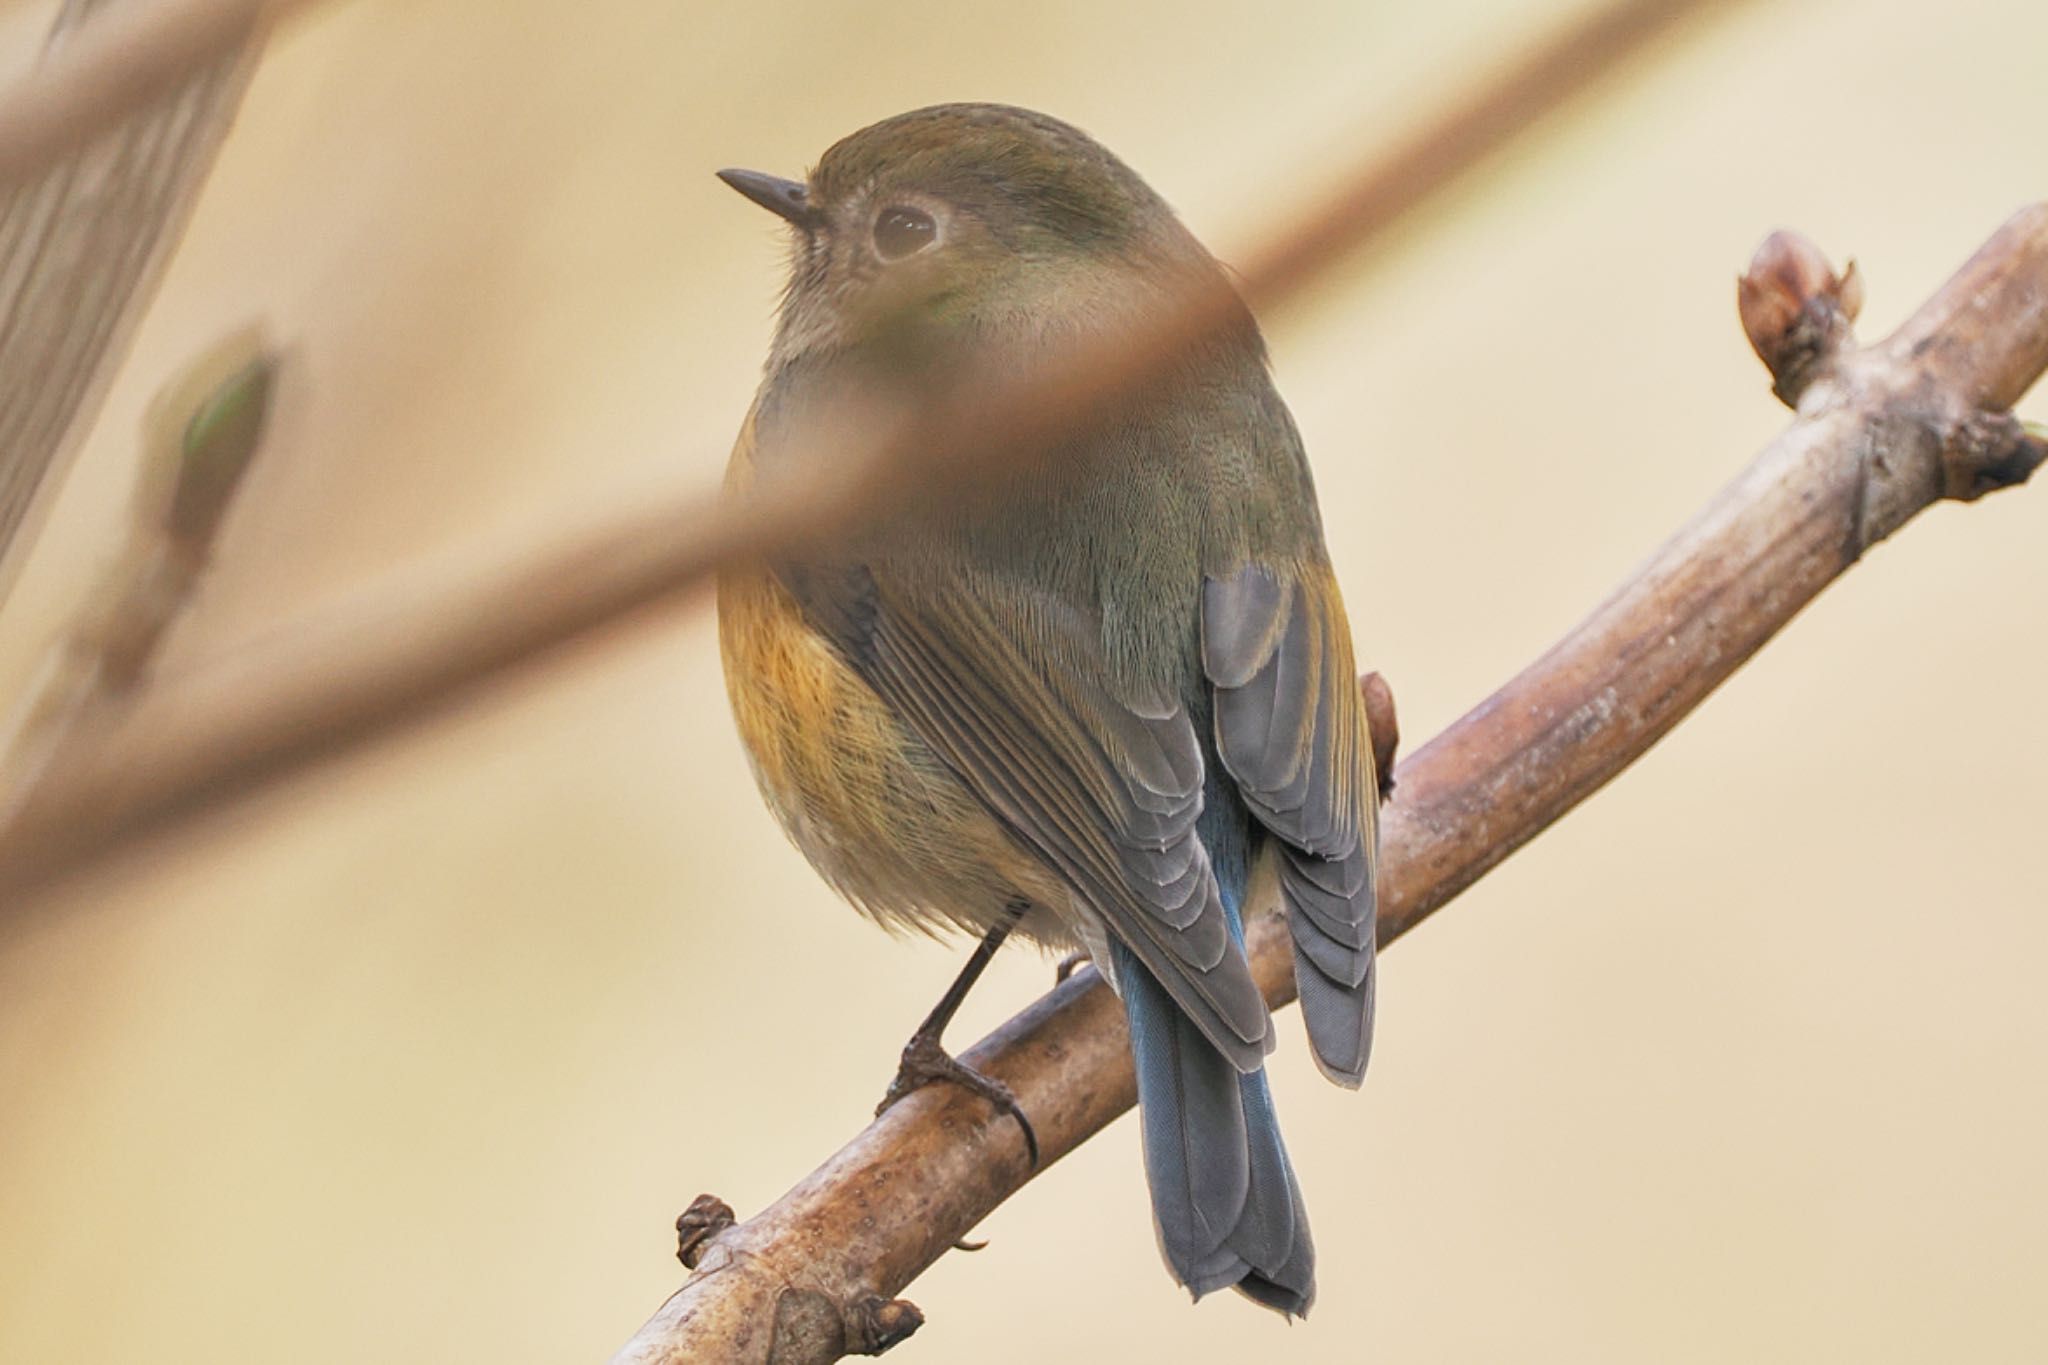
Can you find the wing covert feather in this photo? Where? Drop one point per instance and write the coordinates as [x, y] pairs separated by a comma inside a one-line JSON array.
[[1291, 732], [1106, 788]]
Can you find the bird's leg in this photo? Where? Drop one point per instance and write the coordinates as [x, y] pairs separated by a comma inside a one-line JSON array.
[[924, 1060]]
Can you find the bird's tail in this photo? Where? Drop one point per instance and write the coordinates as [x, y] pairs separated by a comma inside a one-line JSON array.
[[1224, 1198]]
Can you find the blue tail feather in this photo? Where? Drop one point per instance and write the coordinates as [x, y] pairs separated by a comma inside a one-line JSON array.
[[1225, 1200]]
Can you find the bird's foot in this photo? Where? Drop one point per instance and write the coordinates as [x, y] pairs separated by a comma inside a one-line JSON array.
[[1068, 965], [924, 1061]]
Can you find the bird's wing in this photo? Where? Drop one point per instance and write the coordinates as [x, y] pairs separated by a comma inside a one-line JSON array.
[[1291, 731], [1013, 692]]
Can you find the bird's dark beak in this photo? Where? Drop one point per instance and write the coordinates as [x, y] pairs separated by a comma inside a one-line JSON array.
[[783, 198]]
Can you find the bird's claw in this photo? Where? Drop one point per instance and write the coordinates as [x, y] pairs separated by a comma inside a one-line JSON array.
[[924, 1061]]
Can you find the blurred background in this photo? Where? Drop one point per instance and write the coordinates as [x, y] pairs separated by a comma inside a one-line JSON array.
[[418, 1056]]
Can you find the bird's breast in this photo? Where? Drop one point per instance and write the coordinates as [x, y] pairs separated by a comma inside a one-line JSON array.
[[882, 819]]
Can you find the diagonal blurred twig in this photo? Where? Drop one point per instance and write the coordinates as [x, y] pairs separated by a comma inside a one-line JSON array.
[[224, 736], [1881, 433], [121, 61], [83, 242], [190, 480]]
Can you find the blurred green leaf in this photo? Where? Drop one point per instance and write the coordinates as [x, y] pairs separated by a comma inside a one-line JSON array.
[[219, 444]]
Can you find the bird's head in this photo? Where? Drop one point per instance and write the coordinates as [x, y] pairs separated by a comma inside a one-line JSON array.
[[968, 218]]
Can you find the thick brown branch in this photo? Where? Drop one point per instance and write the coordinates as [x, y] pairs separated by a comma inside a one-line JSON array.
[[1879, 435], [226, 734]]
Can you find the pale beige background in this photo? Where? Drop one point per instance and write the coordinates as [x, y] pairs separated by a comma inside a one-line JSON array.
[[417, 1059]]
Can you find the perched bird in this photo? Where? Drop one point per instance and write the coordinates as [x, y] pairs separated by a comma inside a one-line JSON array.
[[1082, 698]]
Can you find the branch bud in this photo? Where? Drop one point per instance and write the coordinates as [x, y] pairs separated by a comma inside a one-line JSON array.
[[1796, 310], [1384, 728]]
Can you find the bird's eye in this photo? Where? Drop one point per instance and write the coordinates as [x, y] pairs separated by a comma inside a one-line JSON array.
[[899, 232]]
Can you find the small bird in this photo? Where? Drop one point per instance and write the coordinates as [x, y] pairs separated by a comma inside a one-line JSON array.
[[1080, 700]]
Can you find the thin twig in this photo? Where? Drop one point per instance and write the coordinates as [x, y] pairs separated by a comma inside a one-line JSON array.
[[1880, 434], [82, 246], [190, 480], [116, 64], [227, 735]]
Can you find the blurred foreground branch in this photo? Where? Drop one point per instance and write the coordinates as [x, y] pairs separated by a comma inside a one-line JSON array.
[[228, 733], [123, 59], [83, 243], [1880, 433], [190, 480]]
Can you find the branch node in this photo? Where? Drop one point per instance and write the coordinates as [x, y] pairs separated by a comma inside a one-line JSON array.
[[874, 1324], [1797, 311], [1990, 451], [1385, 729], [707, 1216]]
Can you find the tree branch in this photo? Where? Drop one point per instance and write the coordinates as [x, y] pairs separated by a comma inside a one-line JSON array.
[[115, 65], [228, 733], [189, 482], [1880, 433], [82, 246]]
